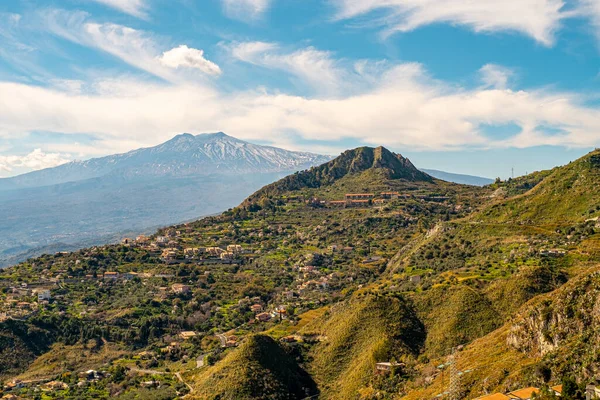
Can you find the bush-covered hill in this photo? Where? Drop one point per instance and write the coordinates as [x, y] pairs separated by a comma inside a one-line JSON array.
[[569, 194], [359, 333], [390, 166], [259, 369], [20, 344], [403, 280], [454, 315]]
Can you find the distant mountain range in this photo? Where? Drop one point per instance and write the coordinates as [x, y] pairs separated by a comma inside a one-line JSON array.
[[187, 177], [458, 178], [184, 155]]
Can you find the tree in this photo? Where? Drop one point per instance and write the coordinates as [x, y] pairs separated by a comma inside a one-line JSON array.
[[571, 390], [545, 393], [118, 373]]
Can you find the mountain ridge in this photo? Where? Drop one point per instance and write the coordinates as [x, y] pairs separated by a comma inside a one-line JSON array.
[[184, 154], [463, 179], [380, 163]]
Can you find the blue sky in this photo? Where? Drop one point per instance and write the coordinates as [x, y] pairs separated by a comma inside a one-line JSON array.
[[469, 87]]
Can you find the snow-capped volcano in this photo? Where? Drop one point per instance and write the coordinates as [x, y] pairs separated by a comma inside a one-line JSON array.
[[183, 155]]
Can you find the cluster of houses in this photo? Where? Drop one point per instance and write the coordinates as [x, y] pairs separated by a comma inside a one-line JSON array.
[[311, 278], [200, 255], [22, 301], [46, 385], [171, 251], [552, 253], [365, 199], [259, 309]]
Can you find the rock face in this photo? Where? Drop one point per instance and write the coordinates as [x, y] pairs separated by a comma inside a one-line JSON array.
[[563, 326], [381, 161]]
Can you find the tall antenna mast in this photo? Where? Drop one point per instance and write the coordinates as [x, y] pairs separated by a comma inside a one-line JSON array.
[[454, 389]]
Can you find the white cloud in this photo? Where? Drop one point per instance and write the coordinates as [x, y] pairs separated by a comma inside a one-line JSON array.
[[404, 108], [184, 56], [137, 8], [250, 51], [496, 76], [246, 10], [591, 10], [539, 19], [314, 67], [72, 86], [134, 47], [35, 160]]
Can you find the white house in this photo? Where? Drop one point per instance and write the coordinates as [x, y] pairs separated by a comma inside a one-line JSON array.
[[43, 294]]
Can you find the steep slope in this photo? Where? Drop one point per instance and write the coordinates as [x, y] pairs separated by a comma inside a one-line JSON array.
[[356, 335], [184, 155], [20, 344], [553, 336], [365, 166], [563, 327], [259, 369], [569, 194], [454, 315], [493, 270]]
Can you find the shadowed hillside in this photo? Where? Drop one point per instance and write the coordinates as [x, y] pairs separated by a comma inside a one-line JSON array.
[[356, 335], [259, 369]]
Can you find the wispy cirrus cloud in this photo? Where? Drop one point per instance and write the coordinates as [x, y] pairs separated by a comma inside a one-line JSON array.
[[591, 10], [137, 8], [137, 48], [538, 19], [318, 69], [245, 10], [312, 66]]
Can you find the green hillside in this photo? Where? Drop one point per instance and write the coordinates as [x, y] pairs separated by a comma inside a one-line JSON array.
[[365, 168], [493, 274], [259, 369], [356, 335], [454, 315], [567, 195], [20, 344]]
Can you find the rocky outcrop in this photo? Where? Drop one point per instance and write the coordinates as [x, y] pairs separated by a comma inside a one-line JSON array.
[[561, 320]]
